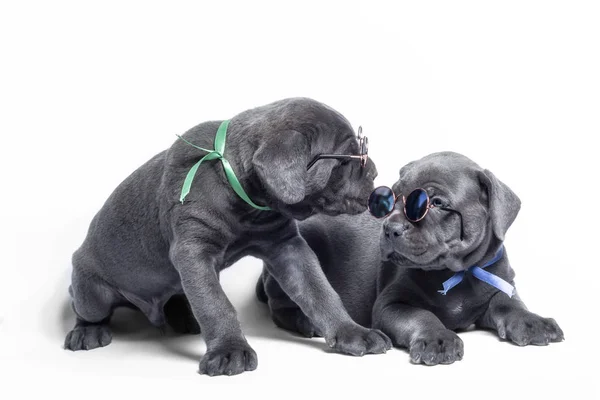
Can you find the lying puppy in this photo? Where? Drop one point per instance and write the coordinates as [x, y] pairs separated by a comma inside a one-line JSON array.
[[388, 272], [145, 246]]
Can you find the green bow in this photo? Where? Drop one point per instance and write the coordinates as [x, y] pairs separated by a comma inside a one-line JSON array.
[[217, 154]]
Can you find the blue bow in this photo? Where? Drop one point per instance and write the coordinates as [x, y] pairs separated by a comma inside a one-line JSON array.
[[481, 274]]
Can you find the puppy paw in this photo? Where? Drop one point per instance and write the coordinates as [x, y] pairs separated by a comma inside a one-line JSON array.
[[524, 327], [441, 347], [88, 337], [356, 340], [228, 359], [294, 320]]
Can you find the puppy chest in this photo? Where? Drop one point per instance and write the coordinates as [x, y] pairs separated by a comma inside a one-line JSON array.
[[457, 311]]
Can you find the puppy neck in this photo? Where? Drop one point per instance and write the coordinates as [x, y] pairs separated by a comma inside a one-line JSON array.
[[481, 251]]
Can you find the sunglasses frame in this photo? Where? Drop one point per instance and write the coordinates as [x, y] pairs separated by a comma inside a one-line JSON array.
[[363, 144], [428, 207]]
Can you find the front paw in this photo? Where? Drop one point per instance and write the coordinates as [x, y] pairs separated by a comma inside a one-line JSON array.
[[88, 336], [524, 327], [356, 340], [440, 347], [228, 359]]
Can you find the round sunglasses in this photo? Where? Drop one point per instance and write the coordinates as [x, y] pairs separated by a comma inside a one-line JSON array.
[[417, 204], [363, 146]]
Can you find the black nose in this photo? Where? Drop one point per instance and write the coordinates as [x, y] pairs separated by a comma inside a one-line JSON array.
[[394, 229]]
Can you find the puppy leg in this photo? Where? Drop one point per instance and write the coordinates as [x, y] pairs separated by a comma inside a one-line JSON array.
[[284, 312], [227, 351], [418, 330], [296, 268], [512, 321], [179, 316], [93, 302]]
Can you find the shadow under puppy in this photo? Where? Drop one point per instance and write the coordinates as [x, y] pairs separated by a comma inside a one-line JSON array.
[[146, 247], [388, 271]]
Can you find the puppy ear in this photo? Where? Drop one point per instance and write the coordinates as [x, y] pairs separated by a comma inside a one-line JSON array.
[[281, 166], [503, 203]]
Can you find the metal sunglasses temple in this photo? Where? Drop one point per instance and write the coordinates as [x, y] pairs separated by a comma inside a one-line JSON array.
[[331, 156]]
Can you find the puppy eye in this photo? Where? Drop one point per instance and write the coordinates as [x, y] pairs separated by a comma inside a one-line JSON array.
[[437, 202]]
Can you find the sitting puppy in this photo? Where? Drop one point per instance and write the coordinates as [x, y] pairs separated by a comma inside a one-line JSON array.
[[445, 230], [145, 246]]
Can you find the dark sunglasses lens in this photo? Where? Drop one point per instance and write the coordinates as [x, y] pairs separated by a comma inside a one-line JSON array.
[[416, 205], [381, 201]]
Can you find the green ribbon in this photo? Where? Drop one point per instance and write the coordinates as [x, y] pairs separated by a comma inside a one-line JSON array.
[[217, 154]]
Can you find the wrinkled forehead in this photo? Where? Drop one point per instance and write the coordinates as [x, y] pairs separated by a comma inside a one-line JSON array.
[[349, 143], [339, 138], [445, 172]]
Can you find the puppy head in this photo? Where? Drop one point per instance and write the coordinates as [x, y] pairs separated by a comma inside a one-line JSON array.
[[303, 129], [487, 205]]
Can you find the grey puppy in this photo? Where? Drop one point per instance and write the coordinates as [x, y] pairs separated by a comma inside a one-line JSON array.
[[388, 271], [145, 249]]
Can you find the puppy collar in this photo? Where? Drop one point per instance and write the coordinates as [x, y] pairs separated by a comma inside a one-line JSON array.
[[481, 274], [217, 154]]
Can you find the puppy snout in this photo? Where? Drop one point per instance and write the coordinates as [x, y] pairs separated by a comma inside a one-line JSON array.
[[394, 229]]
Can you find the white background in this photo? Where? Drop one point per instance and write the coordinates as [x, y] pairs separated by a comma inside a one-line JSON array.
[[88, 92]]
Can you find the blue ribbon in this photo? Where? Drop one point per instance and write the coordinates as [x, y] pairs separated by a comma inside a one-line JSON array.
[[481, 274]]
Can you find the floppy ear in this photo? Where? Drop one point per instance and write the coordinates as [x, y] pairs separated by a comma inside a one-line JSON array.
[[503, 203], [281, 165]]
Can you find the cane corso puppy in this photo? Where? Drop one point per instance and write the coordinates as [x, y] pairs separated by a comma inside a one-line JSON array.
[[145, 247], [388, 271]]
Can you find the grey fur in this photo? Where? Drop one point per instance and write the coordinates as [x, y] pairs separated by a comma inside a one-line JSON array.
[[388, 271], [147, 250]]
